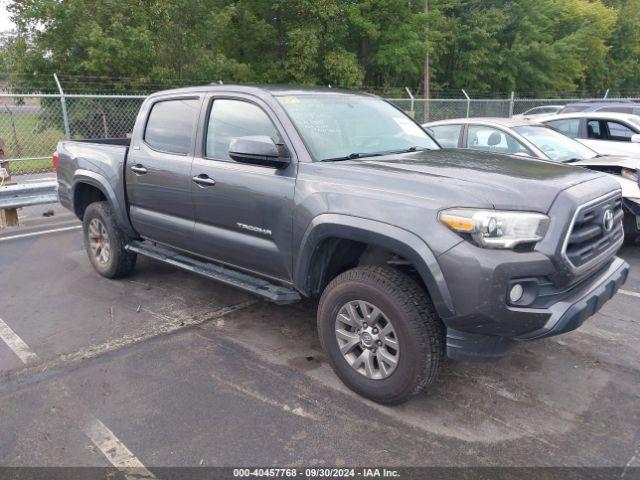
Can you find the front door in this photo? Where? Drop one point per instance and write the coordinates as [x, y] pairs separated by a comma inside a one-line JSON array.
[[158, 173], [243, 212]]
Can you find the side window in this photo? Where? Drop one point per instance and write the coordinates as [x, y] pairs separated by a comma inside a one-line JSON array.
[[569, 127], [170, 126], [493, 140], [447, 135], [594, 130], [619, 132], [235, 118]]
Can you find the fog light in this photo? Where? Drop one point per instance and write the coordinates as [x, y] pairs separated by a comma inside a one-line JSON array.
[[516, 292]]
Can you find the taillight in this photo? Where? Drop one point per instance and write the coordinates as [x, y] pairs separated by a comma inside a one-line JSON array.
[[55, 161]]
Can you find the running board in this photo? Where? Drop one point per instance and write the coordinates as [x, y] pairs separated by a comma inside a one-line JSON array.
[[263, 288]]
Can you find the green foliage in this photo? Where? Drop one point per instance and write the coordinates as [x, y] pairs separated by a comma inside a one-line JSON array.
[[534, 46]]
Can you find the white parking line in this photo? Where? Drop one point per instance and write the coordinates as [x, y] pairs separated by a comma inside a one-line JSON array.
[[116, 452], [42, 232], [15, 343], [630, 293]]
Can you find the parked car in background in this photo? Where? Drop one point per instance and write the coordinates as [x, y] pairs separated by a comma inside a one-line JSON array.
[[527, 138], [608, 133], [619, 106], [540, 111]]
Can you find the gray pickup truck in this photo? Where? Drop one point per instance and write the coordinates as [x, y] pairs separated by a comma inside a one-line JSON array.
[[414, 253]]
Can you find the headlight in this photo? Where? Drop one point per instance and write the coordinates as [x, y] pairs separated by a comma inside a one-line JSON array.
[[494, 228]]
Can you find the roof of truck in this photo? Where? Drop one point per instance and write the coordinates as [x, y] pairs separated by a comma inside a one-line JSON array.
[[276, 90]]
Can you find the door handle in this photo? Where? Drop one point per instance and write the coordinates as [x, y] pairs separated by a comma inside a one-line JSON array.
[[204, 180], [139, 169]]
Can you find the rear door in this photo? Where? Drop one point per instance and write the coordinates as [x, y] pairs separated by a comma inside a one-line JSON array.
[[158, 172], [244, 214]]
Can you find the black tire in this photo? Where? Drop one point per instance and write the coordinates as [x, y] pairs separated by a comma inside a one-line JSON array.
[[631, 230], [120, 262], [419, 331]]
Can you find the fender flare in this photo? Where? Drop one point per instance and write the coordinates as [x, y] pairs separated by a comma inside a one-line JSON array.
[[389, 237], [98, 181]]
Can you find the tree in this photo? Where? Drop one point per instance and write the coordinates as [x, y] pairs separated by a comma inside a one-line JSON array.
[[533, 46]]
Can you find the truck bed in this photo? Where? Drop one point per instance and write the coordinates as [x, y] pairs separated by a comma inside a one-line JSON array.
[[123, 142]]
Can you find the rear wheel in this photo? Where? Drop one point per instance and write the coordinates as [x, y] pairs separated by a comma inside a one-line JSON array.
[[381, 333], [105, 242]]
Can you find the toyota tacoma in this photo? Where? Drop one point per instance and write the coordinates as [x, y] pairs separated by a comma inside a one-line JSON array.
[[413, 253]]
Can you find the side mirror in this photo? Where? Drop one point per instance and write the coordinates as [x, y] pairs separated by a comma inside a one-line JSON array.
[[635, 138], [523, 155], [258, 150]]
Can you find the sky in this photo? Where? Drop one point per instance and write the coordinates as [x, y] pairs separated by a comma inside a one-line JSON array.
[[5, 23]]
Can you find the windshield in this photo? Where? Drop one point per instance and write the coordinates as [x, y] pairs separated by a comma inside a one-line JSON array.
[[337, 126], [555, 145]]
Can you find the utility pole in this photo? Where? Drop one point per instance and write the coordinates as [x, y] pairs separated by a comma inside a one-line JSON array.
[[426, 67]]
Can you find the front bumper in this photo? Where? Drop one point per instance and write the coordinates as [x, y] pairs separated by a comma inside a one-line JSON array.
[[486, 326], [570, 313]]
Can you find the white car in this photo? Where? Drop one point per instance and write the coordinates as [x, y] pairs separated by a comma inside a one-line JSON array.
[[540, 111], [529, 139], [608, 133]]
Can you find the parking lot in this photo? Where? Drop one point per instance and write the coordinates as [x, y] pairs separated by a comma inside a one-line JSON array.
[[165, 368]]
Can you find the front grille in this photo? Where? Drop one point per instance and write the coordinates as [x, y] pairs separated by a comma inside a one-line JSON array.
[[588, 240]]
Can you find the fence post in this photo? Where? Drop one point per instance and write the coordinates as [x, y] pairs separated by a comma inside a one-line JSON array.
[[8, 216], [513, 95], [468, 102], [412, 111], [63, 104]]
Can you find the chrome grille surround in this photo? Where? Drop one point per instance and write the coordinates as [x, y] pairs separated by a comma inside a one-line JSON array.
[[587, 243]]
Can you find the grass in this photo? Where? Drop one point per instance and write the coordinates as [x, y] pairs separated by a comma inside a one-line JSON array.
[[23, 139]]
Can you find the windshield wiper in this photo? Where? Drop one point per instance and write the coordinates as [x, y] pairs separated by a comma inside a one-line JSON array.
[[353, 156]]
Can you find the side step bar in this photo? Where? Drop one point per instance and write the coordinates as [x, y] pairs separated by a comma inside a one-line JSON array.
[[265, 289]]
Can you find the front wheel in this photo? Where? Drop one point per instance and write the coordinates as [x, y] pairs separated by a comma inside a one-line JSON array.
[[105, 242], [381, 333]]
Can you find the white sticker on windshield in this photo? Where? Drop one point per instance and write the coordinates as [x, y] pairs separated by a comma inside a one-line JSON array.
[[409, 127]]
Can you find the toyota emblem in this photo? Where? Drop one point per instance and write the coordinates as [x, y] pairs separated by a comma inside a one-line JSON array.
[[607, 220]]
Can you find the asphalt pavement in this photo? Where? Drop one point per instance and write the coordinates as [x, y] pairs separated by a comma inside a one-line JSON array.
[[165, 368]]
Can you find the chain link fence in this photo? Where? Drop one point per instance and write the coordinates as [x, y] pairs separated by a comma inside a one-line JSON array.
[[31, 125]]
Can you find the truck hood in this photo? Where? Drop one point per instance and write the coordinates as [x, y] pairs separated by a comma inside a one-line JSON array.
[[504, 181]]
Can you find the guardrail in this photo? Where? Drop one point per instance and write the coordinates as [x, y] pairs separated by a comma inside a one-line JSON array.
[[24, 195]]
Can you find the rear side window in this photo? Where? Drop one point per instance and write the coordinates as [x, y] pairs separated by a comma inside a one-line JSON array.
[[446, 135], [232, 119], [170, 127], [569, 127]]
